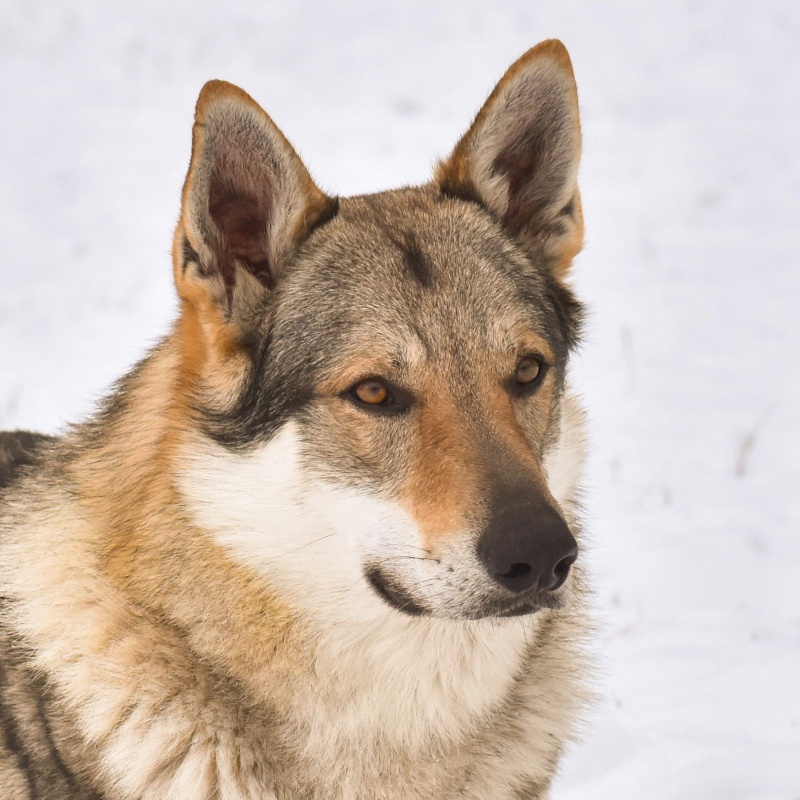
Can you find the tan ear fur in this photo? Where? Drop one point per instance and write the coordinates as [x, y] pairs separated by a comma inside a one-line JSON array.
[[247, 203], [520, 156]]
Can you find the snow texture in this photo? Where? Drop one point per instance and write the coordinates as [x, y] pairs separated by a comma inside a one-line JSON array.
[[691, 182]]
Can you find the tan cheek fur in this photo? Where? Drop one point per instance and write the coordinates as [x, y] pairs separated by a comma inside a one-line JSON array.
[[445, 489], [138, 515], [209, 343], [441, 487]]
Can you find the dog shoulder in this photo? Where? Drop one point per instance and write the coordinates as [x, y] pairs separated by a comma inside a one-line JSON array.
[[38, 752], [19, 449]]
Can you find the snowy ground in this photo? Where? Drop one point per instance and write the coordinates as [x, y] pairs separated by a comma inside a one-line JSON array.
[[691, 184]]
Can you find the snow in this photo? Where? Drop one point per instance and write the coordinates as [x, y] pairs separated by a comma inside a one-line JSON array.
[[691, 182]]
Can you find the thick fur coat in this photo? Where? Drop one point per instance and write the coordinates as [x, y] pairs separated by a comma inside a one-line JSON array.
[[319, 543]]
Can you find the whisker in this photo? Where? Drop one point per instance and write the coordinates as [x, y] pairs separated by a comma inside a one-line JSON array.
[[307, 544], [415, 558]]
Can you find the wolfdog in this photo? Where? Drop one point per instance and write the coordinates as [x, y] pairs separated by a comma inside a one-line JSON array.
[[319, 543]]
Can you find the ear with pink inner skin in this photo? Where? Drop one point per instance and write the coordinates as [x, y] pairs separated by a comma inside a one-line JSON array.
[[520, 157], [248, 202]]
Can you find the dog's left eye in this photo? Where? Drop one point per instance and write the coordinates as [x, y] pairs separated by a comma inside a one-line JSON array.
[[529, 370]]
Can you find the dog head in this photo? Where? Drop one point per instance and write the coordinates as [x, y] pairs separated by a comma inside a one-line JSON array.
[[378, 381]]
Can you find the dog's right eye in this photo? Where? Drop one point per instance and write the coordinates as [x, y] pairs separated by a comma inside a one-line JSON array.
[[375, 394], [372, 392]]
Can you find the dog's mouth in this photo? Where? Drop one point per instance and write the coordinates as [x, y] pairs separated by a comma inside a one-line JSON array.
[[399, 599], [393, 595], [516, 610], [524, 605]]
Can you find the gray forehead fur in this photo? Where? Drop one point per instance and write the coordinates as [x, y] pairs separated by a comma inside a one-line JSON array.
[[389, 267], [415, 260]]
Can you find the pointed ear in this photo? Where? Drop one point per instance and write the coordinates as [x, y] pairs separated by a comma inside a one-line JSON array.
[[519, 159], [248, 202]]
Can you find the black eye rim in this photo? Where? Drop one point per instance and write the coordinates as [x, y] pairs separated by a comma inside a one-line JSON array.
[[397, 400], [527, 388]]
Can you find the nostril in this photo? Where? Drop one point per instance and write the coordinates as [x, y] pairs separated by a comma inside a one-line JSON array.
[[561, 572], [527, 546], [517, 571]]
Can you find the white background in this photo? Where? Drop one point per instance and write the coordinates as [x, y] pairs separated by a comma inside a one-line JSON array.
[[691, 183]]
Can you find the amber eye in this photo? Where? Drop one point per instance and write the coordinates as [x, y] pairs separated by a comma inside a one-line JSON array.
[[372, 392], [528, 370]]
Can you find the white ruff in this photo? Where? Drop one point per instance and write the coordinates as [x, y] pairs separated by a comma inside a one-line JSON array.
[[410, 678]]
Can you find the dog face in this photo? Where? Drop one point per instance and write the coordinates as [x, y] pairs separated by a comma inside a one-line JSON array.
[[378, 381]]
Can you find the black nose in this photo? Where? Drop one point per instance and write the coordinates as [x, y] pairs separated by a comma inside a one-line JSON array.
[[528, 546]]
